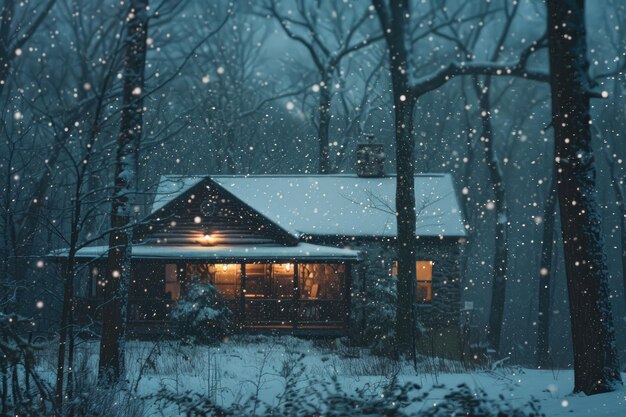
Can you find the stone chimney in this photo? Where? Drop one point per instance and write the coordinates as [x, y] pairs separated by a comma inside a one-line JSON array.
[[370, 158]]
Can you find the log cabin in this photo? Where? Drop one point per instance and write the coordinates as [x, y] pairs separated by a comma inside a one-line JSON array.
[[288, 253]]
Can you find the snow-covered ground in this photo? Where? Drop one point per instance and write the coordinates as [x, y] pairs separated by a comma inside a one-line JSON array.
[[244, 366]]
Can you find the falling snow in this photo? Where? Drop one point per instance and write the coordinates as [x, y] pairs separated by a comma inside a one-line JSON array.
[[262, 203]]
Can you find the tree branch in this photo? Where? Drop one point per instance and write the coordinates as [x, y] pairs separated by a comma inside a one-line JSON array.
[[517, 69]]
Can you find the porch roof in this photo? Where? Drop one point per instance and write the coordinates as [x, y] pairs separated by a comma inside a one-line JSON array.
[[239, 253]]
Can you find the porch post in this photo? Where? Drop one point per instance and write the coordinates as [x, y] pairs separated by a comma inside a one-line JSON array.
[[348, 294], [242, 297], [295, 308]]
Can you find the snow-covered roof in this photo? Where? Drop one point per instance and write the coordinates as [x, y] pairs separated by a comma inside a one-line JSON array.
[[302, 251], [170, 188], [344, 205]]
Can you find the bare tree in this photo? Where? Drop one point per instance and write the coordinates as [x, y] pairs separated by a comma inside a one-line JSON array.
[[483, 89], [394, 24], [496, 176], [545, 276], [112, 344], [328, 41], [228, 104], [80, 203], [401, 30], [15, 32], [617, 183], [17, 26], [596, 366], [125, 188], [613, 123], [360, 106]]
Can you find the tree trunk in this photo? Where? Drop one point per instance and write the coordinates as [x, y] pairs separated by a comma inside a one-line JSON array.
[[324, 126], [623, 240], [67, 316], [111, 366], [7, 249], [66, 322], [4, 394], [6, 21], [501, 255], [29, 224], [467, 179], [394, 26], [596, 367], [405, 208], [621, 203], [545, 277], [620, 193]]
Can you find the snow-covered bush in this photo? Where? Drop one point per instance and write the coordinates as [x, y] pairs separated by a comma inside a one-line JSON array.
[[201, 315]]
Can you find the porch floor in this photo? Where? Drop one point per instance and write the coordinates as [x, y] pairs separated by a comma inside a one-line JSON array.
[[142, 331]]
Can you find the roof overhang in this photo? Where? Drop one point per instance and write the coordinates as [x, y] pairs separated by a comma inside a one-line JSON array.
[[240, 253]]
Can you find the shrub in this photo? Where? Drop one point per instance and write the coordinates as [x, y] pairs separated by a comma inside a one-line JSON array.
[[329, 399], [201, 315], [463, 401], [374, 311], [23, 391]]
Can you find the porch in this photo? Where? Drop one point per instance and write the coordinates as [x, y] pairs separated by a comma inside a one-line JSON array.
[[307, 293]]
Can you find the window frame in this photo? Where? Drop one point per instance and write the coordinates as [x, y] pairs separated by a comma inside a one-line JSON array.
[[428, 300]]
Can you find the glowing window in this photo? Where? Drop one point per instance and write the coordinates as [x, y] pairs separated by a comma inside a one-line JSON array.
[[172, 286], [423, 279], [282, 280], [227, 279]]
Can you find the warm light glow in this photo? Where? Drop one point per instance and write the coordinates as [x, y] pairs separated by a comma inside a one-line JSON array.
[[423, 278], [424, 275], [208, 238], [287, 267], [221, 268]]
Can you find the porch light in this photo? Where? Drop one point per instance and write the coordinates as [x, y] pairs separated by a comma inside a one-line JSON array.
[[225, 267], [209, 238], [287, 267]]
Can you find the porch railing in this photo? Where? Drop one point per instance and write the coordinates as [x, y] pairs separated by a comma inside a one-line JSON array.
[[296, 312], [248, 312]]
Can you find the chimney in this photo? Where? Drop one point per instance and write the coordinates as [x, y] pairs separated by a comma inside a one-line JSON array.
[[370, 158]]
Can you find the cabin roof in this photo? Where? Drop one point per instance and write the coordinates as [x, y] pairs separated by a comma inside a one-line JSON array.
[[272, 252], [332, 205]]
